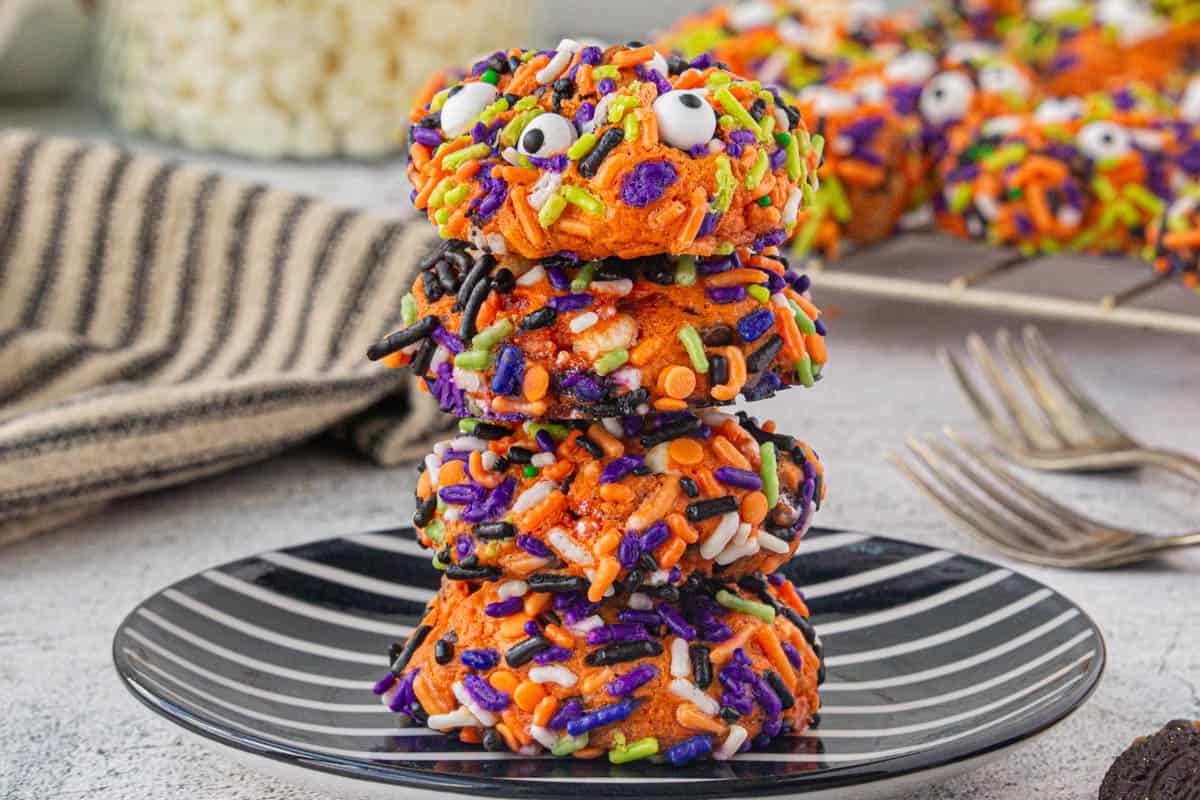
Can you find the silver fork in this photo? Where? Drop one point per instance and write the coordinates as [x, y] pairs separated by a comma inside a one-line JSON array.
[[971, 485], [1067, 431]]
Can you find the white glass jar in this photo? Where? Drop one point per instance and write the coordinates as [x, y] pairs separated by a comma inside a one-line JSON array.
[[288, 78]]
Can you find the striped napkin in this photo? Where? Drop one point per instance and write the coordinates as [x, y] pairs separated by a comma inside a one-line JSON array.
[[159, 323]]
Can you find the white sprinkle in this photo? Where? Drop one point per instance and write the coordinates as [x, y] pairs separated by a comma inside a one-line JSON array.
[[512, 155], [496, 244], [467, 379], [433, 466], [544, 737], [680, 663], [532, 277], [600, 115], [482, 714], [546, 185], [568, 548], [452, 513], [387, 697], [656, 458], [583, 322], [733, 552], [791, 209], [532, 496], [716, 541], [512, 589], [640, 601], [586, 624], [489, 459], [686, 690], [529, 750], [440, 448], [613, 424], [469, 443], [619, 287], [715, 419], [743, 534], [1069, 216], [733, 743], [440, 356], [566, 50], [658, 578], [555, 673], [460, 717], [773, 543], [542, 459], [631, 379]]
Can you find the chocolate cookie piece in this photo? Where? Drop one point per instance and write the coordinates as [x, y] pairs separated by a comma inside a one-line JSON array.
[[1165, 766]]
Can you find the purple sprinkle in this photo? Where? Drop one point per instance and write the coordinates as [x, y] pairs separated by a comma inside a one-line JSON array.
[[766, 697], [533, 546], [460, 494], [654, 537], [565, 600], [531, 628], [698, 150], [606, 86], [777, 159], [553, 654], [793, 655], [426, 136], [544, 440], [716, 264], [558, 278], [628, 551], [568, 711], [689, 749], [617, 632], [772, 239], [480, 659], [709, 224], [676, 623], [725, 294], [384, 683], [584, 114], [631, 681], [618, 468], [480, 133], [456, 455], [820, 327], [743, 137], [739, 700], [741, 478], [675, 575], [448, 340], [578, 613], [755, 324], [590, 55], [601, 716], [487, 696], [655, 77], [776, 579], [702, 61], [772, 727], [555, 163], [509, 370], [504, 608], [632, 426], [714, 630], [638, 616], [464, 545], [800, 283], [570, 302], [587, 389], [647, 182]]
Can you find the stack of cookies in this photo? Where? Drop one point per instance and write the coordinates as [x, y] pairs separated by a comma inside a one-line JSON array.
[[609, 278]]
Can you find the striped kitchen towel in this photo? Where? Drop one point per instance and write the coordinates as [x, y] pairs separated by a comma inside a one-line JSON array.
[[159, 323]]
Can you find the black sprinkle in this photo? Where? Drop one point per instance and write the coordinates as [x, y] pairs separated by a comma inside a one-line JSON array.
[[425, 511], [647, 563], [589, 165], [470, 561], [523, 652], [702, 672], [447, 276], [717, 335], [493, 742], [718, 370], [542, 318], [467, 329], [761, 358], [729, 714], [429, 283], [494, 530], [475, 274], [621, 652], [758, 109], [707, 509], [504, 281], [664, 591], [520, 455], [785, 533], [676, 64], [630, 583], [780, 688], [446, 555], [438, 250], [672, 430], [399, 340], [457, 572], [423, 357], [594, 450], [443, 651], [689, 487], [410, 646], [433, 120], [553, 582], [489, 431]]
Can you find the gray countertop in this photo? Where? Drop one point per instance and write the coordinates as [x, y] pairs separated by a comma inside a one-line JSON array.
[[71, 730]]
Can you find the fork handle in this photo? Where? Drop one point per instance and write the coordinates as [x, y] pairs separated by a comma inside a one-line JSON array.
[[1176, 462]]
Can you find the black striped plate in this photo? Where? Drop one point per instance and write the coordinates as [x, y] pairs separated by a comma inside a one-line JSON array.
[[937, 661]]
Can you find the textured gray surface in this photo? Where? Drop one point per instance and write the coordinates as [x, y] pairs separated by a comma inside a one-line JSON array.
[[70, 730]]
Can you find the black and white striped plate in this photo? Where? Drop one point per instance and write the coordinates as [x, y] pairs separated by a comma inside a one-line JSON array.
[[937, 662]]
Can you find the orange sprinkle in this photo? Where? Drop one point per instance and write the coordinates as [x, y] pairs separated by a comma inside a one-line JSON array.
[[583, 80], [724, 651], [657, 505], [793, 340], [805, 304], [645, 351], [594, 681], [589, 753], [558, 470], [736, 277], [737, 375], [576, 225], [606, 574], [769, 642], [507, 405], [537, 602], [528, 694], [677, 381], [519, 175], [694, 219], [544, 711], [513, 626], [769, 264], [708, 482], [816, 347], [628, 58], [858, 173], [788, 594], [670, 553], [670, 404], [560, 636], [424, 484], [610, 444], [769, 426], [536, 383], [680, 527], [616, 492], [509, 739], [648, 123], [692, 718], [470, 736], [1179, 240], [452, 472], [617, 164], [527, 217], [689, 79], [546, 510], [724, 450], [685, 451], [431, 701], [525, 78], [421, 201], [754, 508], [482, 476], [397, 360], [447, 148], [420, 155], [607, 544], [467, 170]]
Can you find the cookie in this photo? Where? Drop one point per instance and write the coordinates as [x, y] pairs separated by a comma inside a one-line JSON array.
[[1165, 766]]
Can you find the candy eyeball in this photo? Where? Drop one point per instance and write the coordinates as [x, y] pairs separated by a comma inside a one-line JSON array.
[[1057, 110], [1002, 79], [545, 135], [947, 98], [915, 66], [685, 119], [750, 15], [826, 101], [463, 107], [1101, 141]]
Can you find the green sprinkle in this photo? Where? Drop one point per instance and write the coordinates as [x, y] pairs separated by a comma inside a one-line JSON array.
[[516, 126], [719, 79], [783, 139], [835, 193], [526, 103], [457, 194], [460, 157], [768, 129], [685, 271], [805, 324], [569, 744], [606, 71], [473, 359], [694, 347], [743, 606], [494, 110], [584, 199], [437, 562], [804, 371], [960, 198], [761, 164], [438, 196], [490, 76], [818, 144], [442, 216], [611, 361], [642, 748], [795, 167], [723, 249], [763, 201], [558, 432], [759, 293], [492, 335], [529, 471], [583, 145], [632, 127], [408, 310], [738, 112], [439, 100], [583, 278], [726, 185], [769, 470], [726, 121], [620, 106], [467, 425], [436, 531], [803, 242], [551, 210]]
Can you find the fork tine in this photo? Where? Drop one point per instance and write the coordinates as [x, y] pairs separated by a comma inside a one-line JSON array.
[[983, 409], [1100, 422], [1063, 417], [1035, 433]]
